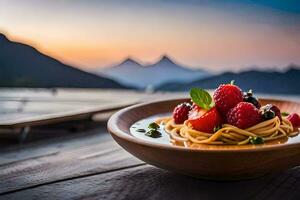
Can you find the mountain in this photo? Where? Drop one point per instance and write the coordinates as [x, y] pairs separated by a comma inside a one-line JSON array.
[[24, 66], [165, 70], [287, 82]]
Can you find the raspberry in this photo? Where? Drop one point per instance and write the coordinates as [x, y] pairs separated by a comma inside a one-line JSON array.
[[181, 112], [226, 97], [294, 119], [243, 115]]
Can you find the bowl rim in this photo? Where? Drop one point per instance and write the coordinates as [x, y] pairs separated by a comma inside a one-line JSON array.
[[115, 130]]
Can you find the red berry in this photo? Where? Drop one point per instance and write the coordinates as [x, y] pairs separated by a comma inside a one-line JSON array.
[[244, 115], [272, 107], [181, 112], [294, 119], [207, 121], [277, 111], [196, 111], [226, 97]]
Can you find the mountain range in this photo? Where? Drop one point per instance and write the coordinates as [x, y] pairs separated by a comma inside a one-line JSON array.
[[24, 66], [132, 73], [287, 82]]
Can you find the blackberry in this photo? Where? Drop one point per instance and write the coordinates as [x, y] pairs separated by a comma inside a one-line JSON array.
[[269, 111], [248, 97]]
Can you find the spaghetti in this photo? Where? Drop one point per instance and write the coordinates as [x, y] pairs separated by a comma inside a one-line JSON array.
[[268, 130]]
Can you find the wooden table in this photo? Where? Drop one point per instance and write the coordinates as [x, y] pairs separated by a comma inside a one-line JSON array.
[[24, 109], [90, 165]]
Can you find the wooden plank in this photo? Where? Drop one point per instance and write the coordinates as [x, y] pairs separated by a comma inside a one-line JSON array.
[[30, 108], [36, 165], [62, 95], [19, 108], [14, 120], [13, 152], [146, 182], [93, 96]]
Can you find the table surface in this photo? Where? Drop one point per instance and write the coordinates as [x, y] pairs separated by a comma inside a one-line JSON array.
[[90, 165], [30, 107]]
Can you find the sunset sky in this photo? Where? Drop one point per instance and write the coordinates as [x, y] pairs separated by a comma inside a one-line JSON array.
[[208, 34]]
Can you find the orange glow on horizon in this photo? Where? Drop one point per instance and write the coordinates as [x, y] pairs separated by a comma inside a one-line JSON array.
[[195, 36]]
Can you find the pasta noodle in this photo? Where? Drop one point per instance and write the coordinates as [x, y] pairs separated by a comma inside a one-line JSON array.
[[268, 130]]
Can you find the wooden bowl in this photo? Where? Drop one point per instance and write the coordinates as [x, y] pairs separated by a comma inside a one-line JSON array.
[[225, 162]]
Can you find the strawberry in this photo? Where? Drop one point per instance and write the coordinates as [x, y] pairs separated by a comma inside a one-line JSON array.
[[207, 121], [226, 96], [244, 115], [196, 111]]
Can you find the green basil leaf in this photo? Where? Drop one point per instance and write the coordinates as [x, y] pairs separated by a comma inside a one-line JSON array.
[[201, 97], [141, 130], [153, 133], [284, 114], [256, 140], [153, 126]]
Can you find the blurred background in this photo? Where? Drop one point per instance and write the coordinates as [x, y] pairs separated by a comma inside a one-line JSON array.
[[59, 56], [157, 45]]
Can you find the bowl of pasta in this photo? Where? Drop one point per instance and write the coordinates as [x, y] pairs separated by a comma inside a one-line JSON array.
[[229, 135]]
